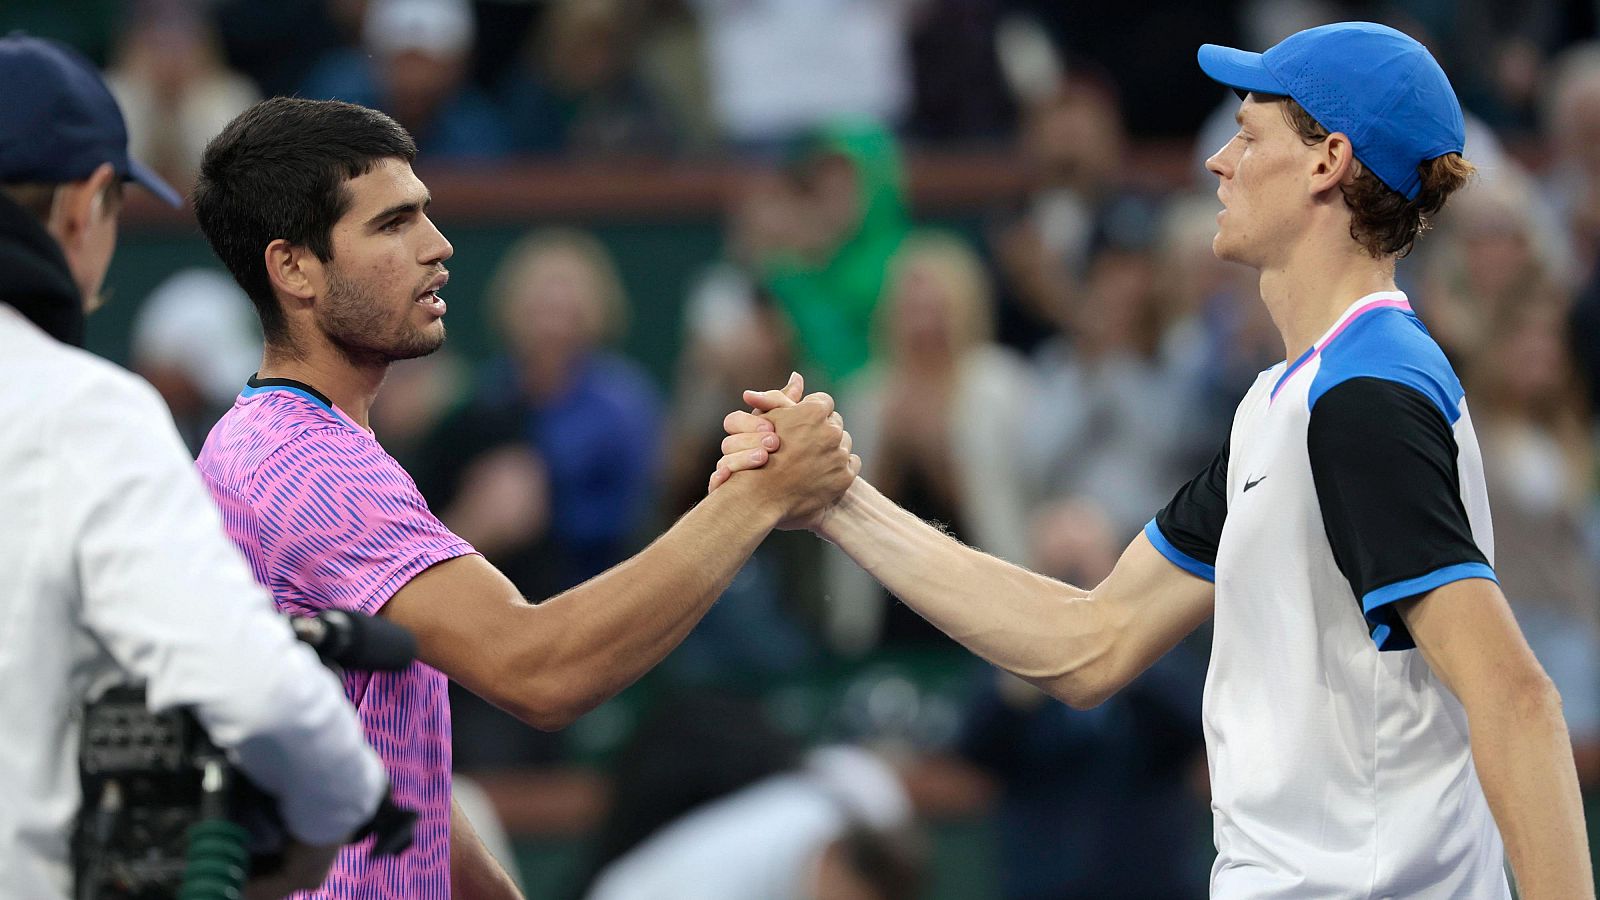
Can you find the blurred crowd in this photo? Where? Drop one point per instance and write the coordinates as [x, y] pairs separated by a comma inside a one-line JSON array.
[[1039, 382], [481, 80]]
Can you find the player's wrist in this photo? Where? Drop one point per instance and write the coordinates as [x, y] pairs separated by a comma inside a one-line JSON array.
[[752, 494], [839, 515]]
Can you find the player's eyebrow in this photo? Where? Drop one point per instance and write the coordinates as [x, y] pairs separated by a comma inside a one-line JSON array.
[[410, 206]]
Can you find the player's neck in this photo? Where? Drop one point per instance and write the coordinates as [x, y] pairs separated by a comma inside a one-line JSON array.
[[1307, 294], [350, 386]]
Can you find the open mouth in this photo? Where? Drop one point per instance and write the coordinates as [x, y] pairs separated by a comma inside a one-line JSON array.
[[432, 302], [430, 298]]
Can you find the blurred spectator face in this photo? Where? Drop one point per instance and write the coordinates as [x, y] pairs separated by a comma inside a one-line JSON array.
[[1075, 139], [416, 394], [1498, 256], [1119, 307], [735, 338], [558, 306], [421, 48], [1572, 121], [1487, 264], [558, 298], [833, 189], [1074, 540], [417, 83], [1576, 121], [938, 305], [923, 311], [585, 44], [169, 50], [770, 214], [1531, 355]]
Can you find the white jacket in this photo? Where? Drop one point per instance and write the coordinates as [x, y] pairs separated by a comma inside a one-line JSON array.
[[114, 564]]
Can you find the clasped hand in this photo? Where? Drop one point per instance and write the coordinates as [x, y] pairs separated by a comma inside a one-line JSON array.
[[815, 466]]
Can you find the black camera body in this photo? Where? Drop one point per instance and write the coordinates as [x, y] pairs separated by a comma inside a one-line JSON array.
[[149, 779], [145, 783]]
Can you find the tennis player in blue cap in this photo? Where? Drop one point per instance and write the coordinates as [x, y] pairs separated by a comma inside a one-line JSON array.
[[1375, 722]]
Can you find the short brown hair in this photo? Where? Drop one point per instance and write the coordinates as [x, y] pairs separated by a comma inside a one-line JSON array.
[[1382, 220]]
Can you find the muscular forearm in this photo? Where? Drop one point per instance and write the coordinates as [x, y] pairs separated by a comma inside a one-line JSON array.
[[605, 633], [1523, 756], [1050, 633], [1520, 747]]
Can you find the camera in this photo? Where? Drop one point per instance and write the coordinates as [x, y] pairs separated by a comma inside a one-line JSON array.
[[166, 813]]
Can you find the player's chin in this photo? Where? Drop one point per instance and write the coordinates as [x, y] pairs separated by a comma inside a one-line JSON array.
[[421, 342], [1224, 248]]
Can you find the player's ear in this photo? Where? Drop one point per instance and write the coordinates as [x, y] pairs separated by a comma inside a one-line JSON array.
[[293, 270], [77, 206], [1334, 163]]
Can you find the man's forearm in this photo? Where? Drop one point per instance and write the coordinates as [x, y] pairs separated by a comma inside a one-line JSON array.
[[1523, 755], [1036, 627], [616, 626]]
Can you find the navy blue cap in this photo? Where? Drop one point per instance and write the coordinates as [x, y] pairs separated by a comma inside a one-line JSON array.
[[59, 122], [1378, 86]]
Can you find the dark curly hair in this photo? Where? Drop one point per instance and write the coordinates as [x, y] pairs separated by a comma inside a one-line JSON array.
[[1382, 220]]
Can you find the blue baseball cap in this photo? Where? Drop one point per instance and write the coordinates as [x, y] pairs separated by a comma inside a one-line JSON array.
[[1377, 85], [59, 122]]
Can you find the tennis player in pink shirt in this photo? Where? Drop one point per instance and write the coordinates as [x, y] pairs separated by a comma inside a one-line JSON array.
[[314, 208]]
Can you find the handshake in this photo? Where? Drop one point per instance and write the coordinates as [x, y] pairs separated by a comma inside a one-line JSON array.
[[798, 444]]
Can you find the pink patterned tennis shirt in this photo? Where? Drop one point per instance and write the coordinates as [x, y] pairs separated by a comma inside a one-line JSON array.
[[329, 520]]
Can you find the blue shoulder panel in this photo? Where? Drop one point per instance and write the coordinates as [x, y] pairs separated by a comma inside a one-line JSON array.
[[1393, 345]]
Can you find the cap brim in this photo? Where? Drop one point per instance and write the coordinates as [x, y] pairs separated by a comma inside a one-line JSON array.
[[152, 182], [1241, 70]]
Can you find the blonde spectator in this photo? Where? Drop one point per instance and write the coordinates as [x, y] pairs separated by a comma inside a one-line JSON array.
[[935, 420], [1487, 257], [556, 407], [1538, 458], [175, 91]]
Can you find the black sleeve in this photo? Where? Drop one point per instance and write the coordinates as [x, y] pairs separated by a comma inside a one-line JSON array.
[[1384, 461], [1191, 523]]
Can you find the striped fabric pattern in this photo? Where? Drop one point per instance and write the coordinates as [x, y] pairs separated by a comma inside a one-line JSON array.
[[329, 520]]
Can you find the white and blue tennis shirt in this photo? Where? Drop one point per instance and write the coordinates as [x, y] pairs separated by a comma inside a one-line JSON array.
[[1340, 765]]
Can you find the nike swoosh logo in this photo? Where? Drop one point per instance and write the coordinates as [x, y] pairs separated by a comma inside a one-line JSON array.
[[1250, 484]]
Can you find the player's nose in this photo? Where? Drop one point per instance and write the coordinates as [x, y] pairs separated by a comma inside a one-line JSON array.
[[436, 248], [1218, 165]]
